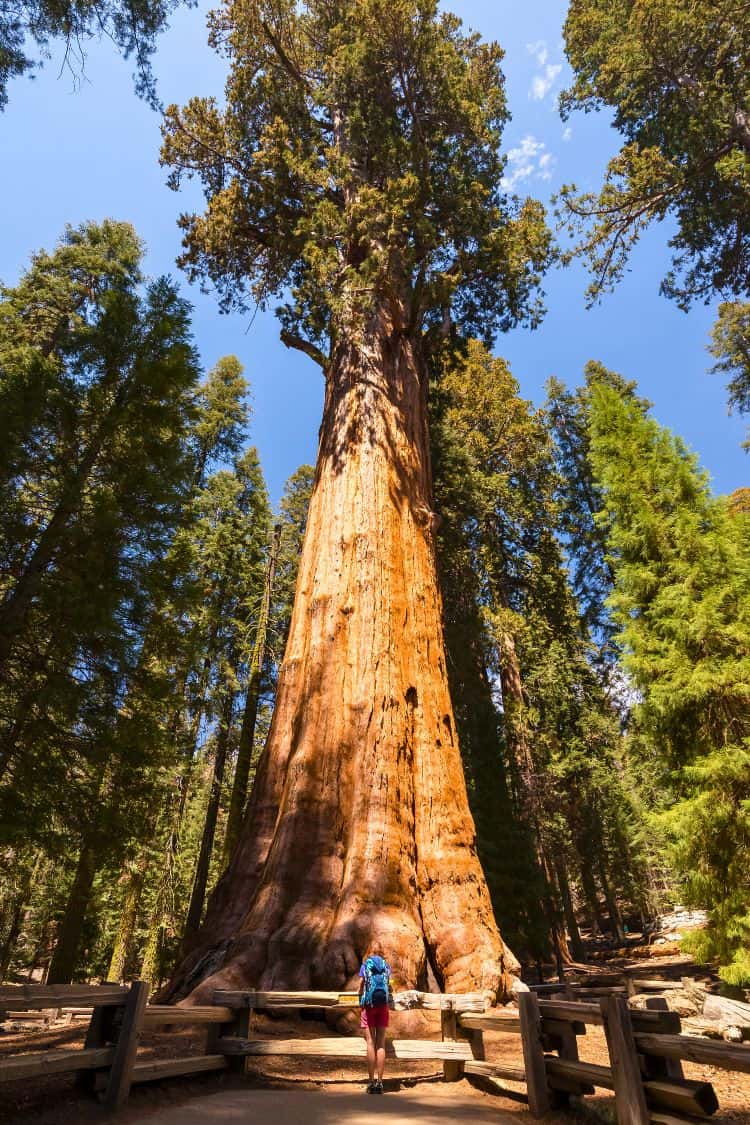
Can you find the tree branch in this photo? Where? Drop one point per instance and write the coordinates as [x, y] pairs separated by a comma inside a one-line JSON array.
[[291, 341]]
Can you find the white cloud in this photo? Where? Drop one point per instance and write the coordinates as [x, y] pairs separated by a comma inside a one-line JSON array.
[[541, 84], [539, 50], [528, 160], [567, 133], [546, 164]]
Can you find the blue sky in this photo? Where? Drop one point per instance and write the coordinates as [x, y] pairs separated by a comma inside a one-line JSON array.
[[72, 151]]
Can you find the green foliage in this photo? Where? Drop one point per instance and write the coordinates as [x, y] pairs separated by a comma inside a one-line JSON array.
[[356, 160], [730, 345], [682, 605], [580, 503], [675, 73], [539, 737], [97, 381], [132, 25]]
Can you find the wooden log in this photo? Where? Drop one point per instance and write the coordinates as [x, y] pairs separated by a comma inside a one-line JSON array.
[[153, 1070], [343, 1047], [490, 1021], [158, 1014], [623, 1056], [173, 1068], [639, 969], [254, 999], [571, 1011], [540, 1099], [724, 1055], [21, 997], [440, 1001], [681, 1094], [41, 1063], [121, 1073], [642, 985], [551, 987], [452, 1070], [403, 1001], [732, 1013], [494, 1070], [576, 1072]]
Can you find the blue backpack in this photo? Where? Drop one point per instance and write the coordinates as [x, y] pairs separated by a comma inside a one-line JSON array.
[[377, 982]]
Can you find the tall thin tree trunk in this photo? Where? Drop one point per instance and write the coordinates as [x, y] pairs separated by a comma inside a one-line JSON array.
[[615, 917], [358, 826], [65, 958], [590, 893], [123, 946], [250, 714], [571, 923], [200, 880], [519, 745], [175, 811]]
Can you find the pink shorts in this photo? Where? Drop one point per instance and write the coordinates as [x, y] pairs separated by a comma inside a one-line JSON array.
[[376, 1016]]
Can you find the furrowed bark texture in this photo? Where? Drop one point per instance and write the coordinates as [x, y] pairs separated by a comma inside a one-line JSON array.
[[358, 827]]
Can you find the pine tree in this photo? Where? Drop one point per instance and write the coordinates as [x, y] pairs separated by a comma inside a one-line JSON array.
[[682, 604]]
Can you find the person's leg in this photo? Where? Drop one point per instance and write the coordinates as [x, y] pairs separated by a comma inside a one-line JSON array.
[[370, 1033], [380, 1051]]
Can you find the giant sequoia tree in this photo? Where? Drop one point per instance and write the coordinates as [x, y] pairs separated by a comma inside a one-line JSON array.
[[355, 169]]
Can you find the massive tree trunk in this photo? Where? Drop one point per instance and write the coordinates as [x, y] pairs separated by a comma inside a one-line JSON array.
[[358, 826]]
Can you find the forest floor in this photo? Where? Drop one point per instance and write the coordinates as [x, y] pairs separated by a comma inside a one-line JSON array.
[[317, 1091]]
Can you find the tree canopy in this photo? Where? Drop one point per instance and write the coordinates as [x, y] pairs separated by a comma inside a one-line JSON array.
[[676, 74], [358, 155], [132, 25]]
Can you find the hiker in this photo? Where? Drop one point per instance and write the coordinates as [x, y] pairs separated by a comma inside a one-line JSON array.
[[374, 998]]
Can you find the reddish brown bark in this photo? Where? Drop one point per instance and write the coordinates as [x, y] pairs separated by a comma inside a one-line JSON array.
[[358, 826]]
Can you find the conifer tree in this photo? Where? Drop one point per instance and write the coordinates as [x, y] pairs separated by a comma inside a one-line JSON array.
[[355, 173], [675, 75], [548, 758], [682, 604], [132, 25], [730, 346]]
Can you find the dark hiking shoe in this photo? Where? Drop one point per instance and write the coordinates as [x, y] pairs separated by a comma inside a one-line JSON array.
[[378, 1087], [371, 1087]]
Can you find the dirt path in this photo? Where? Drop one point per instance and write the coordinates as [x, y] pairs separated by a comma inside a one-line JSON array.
[[422, 1104]]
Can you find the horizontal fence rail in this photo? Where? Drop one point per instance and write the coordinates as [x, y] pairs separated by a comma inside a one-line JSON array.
[[646, 1049]]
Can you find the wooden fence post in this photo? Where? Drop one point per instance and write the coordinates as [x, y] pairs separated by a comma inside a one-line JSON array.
[[121, 1072], [452, 1071], [101, 1031], [623, 1059], [238, 1028], [540, 1100], [656, 1067]]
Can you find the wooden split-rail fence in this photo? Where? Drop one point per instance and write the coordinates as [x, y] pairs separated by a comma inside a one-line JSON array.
[[646, 1049]]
